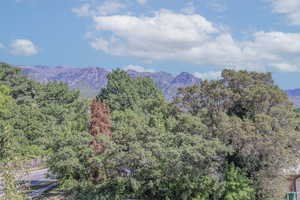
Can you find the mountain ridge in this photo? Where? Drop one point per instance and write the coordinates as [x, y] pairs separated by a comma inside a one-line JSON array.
[[89, 80], [294, 96]]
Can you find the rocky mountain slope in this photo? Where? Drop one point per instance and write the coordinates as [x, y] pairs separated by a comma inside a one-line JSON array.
[[90, 80], [294, 96]]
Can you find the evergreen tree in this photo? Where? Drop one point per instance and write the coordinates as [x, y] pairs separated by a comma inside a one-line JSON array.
[[154, 152], [248, 112], [123, 92]]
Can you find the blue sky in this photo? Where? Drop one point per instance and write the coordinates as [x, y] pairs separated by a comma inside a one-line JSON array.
[[198, 36]]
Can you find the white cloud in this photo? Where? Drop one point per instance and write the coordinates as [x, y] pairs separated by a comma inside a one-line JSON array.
[[287, 7], [166, 35], [286, 67], [276, 50], [1, 46], [22, 47], [83, 11], [100, 44], [137, 68], [142, 2], [175, 36], [110, 7], [212, 75], [162, 36], [92, 8]]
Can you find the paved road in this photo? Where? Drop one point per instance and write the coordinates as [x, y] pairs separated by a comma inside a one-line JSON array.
[[40, 191], [36, 178]]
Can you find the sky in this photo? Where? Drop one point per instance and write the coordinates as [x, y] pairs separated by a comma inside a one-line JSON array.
[[202, 37]]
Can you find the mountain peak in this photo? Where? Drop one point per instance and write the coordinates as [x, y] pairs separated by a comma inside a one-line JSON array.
[[94, 78], [186, 79]]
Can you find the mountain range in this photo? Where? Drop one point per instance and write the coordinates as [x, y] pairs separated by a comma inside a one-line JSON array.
[[294, 96], [89, 80]]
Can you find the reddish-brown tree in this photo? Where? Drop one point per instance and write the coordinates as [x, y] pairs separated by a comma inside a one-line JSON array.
[[100, 123]]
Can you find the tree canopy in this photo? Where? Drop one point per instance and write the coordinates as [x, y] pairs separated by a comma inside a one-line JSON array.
[[247, 112], [226, 139], [38, 110]]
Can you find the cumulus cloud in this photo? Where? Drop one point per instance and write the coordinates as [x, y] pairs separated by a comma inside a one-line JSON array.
[[162, 36], [286, 67], [83, 11], [273, 49], [137, 68], [100, 44], [190, 37], [287, 7], [211, 75], [23, 47], [108, 7], [166, 35]]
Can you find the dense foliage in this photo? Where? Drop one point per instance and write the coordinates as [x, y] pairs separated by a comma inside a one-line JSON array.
[[252, 115], [6, 105], [32, 117], [38, 110], [228, 139]]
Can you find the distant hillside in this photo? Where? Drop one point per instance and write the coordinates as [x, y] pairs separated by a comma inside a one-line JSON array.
[[90, 80], [293, 93], [294, 96]]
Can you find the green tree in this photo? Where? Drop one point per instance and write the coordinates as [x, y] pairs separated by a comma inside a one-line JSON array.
[[8, 148], [9, 165], [23, 90], [5, 100], [39, 110], [237, 185], [248, 112], [123, 92], [178, 150], [155, 151], [6, 105]]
